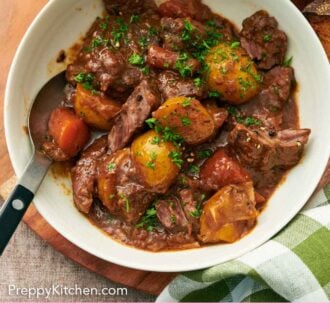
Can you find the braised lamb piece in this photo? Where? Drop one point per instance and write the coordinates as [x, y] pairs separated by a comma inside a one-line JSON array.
[[263, 40], [264, 149]]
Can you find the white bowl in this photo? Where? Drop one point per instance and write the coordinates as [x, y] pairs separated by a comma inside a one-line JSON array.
[[61, 23]]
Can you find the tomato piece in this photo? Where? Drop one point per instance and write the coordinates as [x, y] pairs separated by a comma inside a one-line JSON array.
[[221, 170], [69, 131]]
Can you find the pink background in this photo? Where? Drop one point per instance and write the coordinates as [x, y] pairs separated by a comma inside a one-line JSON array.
[[165, 316]]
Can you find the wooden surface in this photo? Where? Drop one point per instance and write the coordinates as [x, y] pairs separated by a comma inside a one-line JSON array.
[[15, 17]]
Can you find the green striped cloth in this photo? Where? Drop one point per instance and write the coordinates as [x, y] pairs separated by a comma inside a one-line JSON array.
[[294, 266]]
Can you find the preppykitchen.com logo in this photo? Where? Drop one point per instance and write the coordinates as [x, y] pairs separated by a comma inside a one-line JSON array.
[[62, 290]]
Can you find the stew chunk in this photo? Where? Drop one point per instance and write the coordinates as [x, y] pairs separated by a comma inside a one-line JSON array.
[[118, 189], [188, 117], [262, 39], [96, 110], [153, 158], [228, 214], [69, 135], [232, 73], [221, 170]]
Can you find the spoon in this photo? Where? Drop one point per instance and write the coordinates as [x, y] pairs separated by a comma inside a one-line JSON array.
[[13, 210]]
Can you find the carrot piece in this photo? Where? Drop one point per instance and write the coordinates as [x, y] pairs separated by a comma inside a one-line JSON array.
[[68, 131]]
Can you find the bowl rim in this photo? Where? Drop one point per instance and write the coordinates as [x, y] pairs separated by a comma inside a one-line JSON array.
[[137, 265]]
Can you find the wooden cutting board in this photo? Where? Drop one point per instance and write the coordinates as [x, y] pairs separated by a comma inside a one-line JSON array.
[[15, 17]]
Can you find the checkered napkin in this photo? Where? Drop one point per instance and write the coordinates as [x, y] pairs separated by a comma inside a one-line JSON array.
[[294, 266]]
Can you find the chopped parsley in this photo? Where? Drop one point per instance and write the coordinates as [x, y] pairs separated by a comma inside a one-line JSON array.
[[149, 220], [194, 169], [235, 44], [126, 201], [143, 42], [181, 65], [176, 159], [120, 32], [204, 154], [198, 82], [145, 70], [267, 38], [247, 121], [152, 163], [185, 121], [156, 140], [210, 23], [85, 79], [288, 62], [104, 26], [187, 31], [134, 18], [186, 102], [151, 122], [197, 213], [153, 31], [136, 59], [111, 166], [214, 94], [250, 121], [168, 135]]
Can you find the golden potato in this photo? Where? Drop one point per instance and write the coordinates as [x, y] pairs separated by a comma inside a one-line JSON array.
[[232, 74], [187, 117], [155, 161], [96, 110], [228, 214]]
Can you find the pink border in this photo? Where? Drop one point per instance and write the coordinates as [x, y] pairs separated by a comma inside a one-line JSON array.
[[165, 316]]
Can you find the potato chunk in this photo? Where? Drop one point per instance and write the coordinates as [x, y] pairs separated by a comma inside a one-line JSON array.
[[187, 117], [154, 161], [232, 73], [96, 110], [228, 214]]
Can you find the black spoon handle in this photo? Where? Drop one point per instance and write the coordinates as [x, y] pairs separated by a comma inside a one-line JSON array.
[[21, 197], [12, 213]]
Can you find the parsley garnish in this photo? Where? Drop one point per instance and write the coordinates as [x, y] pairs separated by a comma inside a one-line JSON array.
[[120, 32], [111, 166], [149, 220], [134, 18], [203, 154], [143, 42], [151, 164], [175, 157], [151, 122], [198, 82], [181, 65], [186, 102], [125, 199], [194, 169], [136, 59], [188, 28], [267, 38], [197, 213], [85, 79], [185, 121], [235, 44], [104, 26], [214, 94], [288, 62], [247, 121], [156, 140]]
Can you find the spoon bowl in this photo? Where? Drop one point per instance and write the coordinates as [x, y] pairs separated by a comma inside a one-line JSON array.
[[13, 210]]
